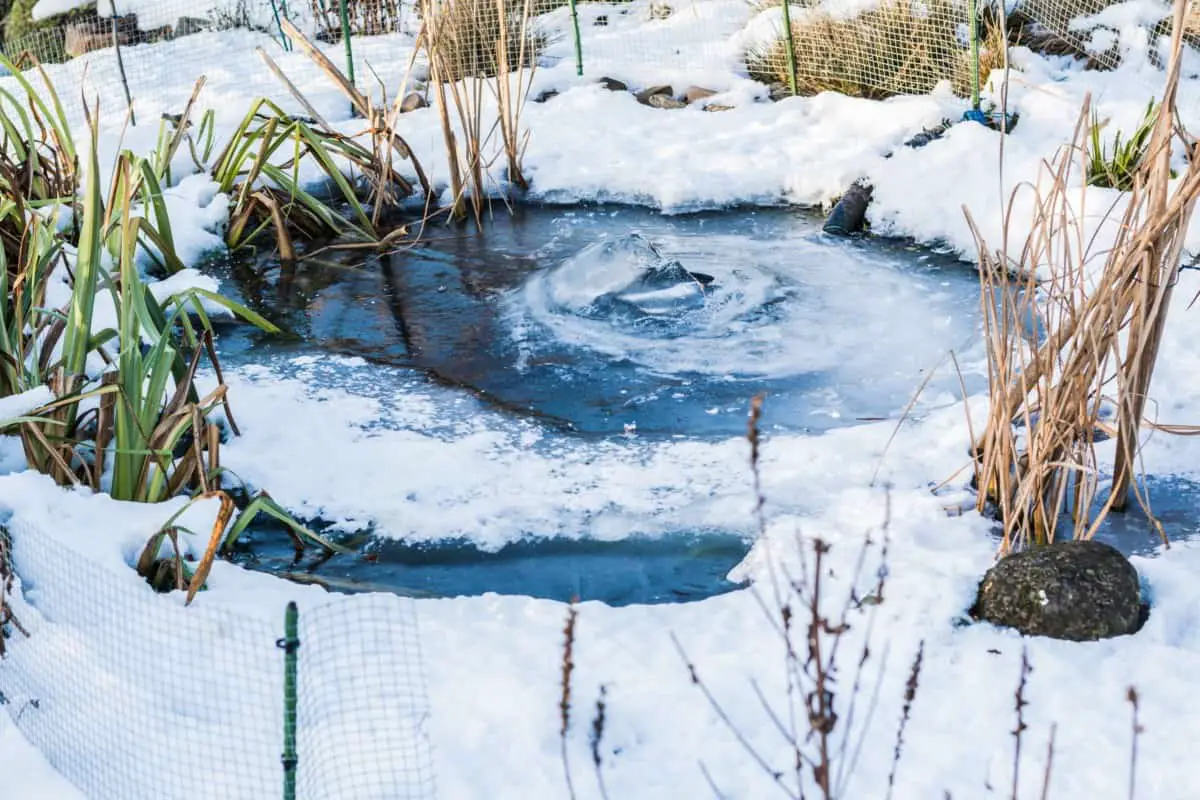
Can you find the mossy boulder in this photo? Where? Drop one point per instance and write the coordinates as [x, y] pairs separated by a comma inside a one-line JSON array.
[[1080, 591]]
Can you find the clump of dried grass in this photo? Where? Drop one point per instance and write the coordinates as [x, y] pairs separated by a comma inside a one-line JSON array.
[[901, 47], [476, 49], [483, 38], [1036, 461], [366, 17]]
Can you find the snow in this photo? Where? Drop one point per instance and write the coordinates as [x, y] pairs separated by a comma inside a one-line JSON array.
[[49, 8], [154, 14], [360, 446], [27, 776], [20, 404]]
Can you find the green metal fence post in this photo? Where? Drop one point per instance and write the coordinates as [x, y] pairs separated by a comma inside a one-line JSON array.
[[973, 13], [283, 40], [112, 7], [283, 11], [290, 643], [578, 41], [791, 46], [346, 38]]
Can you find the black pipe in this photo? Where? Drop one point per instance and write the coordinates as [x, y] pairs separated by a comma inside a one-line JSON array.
[[850, 214]]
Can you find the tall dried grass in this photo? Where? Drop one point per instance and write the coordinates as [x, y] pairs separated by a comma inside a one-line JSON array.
[[482, 38], [1036, 460], [901, 47], [366, 17], [480, 49]]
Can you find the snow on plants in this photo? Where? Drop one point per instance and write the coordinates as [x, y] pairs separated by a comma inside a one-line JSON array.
[[422, 462]]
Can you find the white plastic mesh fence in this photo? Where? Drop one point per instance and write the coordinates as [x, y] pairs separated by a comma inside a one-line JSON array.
[[131, 696], [871, 48]]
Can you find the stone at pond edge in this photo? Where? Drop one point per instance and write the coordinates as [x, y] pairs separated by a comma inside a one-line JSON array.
[[411, 102], [779, 91], [694, 94], [186, 26], [613, 85], [664, 101], [644, 95], [1079, 591]]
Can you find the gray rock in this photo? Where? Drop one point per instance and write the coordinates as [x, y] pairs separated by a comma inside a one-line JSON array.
[[1080, 591], [664, 101], [644, 95], [780, 91], [411, 102], [717, 107], [694, 94], [186, 26], [613, 85], [549, 94]]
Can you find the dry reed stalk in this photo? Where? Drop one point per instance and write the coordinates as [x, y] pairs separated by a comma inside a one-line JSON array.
[[1098, 336], [510, 103], [473, 48], [387, 186]]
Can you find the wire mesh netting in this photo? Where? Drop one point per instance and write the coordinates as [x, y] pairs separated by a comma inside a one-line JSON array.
[[897, 47], [131, 695], [862, 48], [93, 52], [1066, 27]]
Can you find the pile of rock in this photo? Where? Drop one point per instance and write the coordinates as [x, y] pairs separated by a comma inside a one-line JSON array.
[[665, 96]]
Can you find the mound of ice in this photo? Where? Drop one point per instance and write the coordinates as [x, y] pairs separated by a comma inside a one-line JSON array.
[[731, 306]]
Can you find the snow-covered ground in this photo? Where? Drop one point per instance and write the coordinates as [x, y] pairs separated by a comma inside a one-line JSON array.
[[492, 663]]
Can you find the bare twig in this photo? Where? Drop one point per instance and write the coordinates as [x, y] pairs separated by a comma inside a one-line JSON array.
[[564, 704], [716, 706], [597, 738], [1020, 729], [910, 694], [1132, 697], [1049, 763]]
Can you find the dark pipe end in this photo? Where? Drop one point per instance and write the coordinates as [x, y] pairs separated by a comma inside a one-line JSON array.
[[850, 214]]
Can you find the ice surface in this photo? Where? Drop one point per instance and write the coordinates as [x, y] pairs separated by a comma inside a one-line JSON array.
[[627, 274], [604, 317]]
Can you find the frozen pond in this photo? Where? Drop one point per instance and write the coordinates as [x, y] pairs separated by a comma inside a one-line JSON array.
[[602, 326], [610, 318], [672, 569]]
